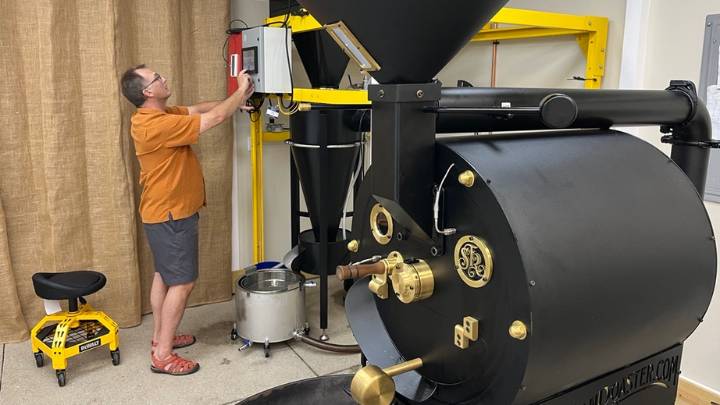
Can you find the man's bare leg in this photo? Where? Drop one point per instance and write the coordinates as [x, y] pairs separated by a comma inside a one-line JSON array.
[[157, 297], [173, 309]]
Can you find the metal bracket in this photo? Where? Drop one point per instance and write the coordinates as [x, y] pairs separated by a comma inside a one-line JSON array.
[[687, 88], [466, 332], [713, 143]]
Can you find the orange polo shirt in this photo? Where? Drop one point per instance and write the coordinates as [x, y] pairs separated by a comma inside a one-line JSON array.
[[170, 172]]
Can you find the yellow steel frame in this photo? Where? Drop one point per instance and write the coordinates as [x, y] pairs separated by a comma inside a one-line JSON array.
[[591, 33], [508, 24], [66, 321]]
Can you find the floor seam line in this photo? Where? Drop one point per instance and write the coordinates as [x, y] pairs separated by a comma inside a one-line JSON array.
[[342, 369], [303, 360]]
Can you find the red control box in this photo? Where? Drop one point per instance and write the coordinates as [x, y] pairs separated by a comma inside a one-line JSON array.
[[234, 61]]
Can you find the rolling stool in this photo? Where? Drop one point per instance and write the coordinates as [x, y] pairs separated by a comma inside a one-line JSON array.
[[77, 330]]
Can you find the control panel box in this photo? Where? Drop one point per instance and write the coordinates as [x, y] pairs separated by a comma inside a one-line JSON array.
[[266, 54]]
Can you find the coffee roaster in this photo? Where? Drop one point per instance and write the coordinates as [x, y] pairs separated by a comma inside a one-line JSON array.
[[556, 261]]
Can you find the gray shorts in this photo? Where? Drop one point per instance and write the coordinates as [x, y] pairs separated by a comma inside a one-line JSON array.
[[174, 244]]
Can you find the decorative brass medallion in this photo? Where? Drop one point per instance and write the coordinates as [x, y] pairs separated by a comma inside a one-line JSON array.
[[381, 224], [473, 261]]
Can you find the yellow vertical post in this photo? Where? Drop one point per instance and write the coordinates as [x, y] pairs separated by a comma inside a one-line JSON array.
[[594, 44], [256, 162]]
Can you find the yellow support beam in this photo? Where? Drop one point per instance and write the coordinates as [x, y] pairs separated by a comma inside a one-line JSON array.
[[256, 162], [500, 34], [275, 136], [331, 96], [594, 44], [296, 23], [543, 19]]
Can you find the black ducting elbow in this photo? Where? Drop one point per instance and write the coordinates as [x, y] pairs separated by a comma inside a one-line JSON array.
[[692, 139]]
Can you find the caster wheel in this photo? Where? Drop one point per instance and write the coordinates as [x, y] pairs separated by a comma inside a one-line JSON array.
[[363, 360], [60, 377], [306, 329], [267, 349], [115, 355], [233, 335], [39, 359]]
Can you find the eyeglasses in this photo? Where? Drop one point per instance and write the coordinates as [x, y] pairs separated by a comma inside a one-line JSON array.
[[158, 76]]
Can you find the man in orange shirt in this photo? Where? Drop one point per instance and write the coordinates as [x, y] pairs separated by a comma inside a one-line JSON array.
[[173, 192]]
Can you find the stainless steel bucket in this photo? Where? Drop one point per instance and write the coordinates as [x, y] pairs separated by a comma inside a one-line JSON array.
[[270, 306]]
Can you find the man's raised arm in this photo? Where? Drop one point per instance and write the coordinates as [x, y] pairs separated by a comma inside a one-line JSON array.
[[225, 109]]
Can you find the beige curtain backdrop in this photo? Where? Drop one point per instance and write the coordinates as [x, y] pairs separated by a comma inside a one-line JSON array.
[[68, 174]]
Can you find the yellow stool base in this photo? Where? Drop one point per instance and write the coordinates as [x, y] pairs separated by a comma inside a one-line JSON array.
[[72, 334]]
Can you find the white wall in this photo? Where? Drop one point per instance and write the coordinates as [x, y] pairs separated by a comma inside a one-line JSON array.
[[673, 50]]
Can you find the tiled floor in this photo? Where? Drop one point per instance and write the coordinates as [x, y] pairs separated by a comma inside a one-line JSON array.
[[226, 375]]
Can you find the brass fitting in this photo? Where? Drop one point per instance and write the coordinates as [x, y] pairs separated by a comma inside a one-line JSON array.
[[518, 330], [378, 284], [413, 282], [466, 178], [381, 224], [353, 246]]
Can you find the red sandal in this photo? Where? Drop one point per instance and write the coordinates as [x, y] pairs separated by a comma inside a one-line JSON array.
[[173, 365], [179, 341]]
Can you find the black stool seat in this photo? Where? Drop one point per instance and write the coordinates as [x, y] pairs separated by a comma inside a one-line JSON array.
[[69, 285]]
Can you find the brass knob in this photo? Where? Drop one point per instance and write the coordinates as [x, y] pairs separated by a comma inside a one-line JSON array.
[[372, 385], [518, 330], [353, 246], [467, 178]]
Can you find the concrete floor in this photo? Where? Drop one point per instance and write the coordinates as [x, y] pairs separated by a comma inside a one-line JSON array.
[[226, 375]]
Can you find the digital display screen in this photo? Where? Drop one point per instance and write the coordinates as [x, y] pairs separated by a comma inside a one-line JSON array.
[[249, 58]]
